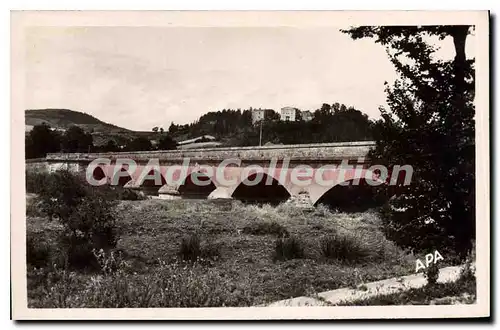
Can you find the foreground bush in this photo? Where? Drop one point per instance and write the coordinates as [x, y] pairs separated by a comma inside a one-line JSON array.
[[119, 193], [61, 193], [86, 214], [431, 274], [191, 249], [342, 248], [37, 252], [129, 195], [35, 181], [288, 248]]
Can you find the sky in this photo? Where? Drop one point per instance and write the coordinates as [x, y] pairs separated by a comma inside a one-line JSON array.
[[142, 77]]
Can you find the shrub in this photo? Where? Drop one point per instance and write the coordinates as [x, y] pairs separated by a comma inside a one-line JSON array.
[[118, 193], [94, 220], [86, 215], [288, 248], [77, 252], [34, 208], [37, 252], [431, 274], [61, 193], [191, 249], [342, 248], [129, 195], [91, 226], [467, 272], [110, 262], [266, 228], [35, 181]]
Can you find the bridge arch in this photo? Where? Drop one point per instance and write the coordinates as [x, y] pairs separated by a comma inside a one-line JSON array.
[[150, 185], [350, 196], [268, 189], [98, 173], [196, 185], [118, 179]]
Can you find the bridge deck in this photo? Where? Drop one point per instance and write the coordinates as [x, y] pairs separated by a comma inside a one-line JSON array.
[[311, 152]]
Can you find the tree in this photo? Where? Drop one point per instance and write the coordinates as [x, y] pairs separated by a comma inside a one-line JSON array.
[[271, 115], [41, 140], [336, 107], [172, 128], [110, 146], [326, 108], [167, 143], [161, 130], [76, 140], [155, 129], [429, 125], [139, 144]]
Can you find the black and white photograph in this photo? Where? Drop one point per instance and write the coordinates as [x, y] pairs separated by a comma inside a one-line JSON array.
[[250, 165]]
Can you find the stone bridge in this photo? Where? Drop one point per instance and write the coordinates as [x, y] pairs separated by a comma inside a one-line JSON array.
[[306, 173]]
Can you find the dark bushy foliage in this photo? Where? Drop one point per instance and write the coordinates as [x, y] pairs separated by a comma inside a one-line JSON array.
[[129, 195], [467, 272], [35, 181], [118, 193], [61, 193], [422, 239], [342, 248], [166, 143], [430, 126], [40, 141], [431, 274], [266, 228], [37, 252], [192, 250], [86, 214], [139, 144], [75, 139], [288, 248]]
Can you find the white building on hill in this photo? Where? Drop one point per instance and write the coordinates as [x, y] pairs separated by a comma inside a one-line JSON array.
[[289, 114]]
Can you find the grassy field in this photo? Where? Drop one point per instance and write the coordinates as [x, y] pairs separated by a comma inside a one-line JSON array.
[[242, 268]]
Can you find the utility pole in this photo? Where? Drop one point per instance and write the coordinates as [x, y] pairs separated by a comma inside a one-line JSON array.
[[260, 137]]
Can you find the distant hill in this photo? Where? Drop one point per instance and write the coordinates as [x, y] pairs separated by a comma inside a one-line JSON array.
[[64, 118]]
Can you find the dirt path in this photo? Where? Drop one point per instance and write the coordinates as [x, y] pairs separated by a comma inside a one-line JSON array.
[[384, 287]]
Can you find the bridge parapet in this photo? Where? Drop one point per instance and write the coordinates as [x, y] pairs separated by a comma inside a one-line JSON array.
[[307, 152]]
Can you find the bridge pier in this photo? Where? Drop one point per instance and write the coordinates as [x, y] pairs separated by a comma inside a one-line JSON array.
[[168, 192], [301, 199], [221, 193]]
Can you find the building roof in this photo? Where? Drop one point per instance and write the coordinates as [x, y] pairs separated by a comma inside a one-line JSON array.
[[206, 137]]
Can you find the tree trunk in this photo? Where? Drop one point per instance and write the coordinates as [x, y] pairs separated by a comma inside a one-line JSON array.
[[459, 34]]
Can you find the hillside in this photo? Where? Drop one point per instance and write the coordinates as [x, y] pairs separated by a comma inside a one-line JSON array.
[[64, 118]]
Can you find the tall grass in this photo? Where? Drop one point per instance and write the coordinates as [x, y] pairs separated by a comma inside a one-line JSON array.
[[266, 228], [288, 248], [171, 285], [191, 249], [342, 248]]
